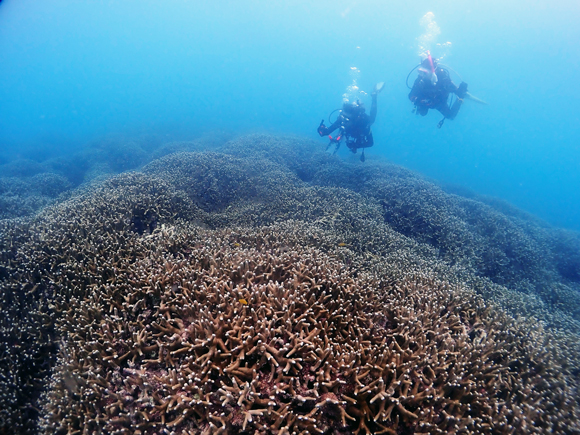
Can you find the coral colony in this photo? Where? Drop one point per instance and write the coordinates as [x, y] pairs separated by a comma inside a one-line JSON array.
[[203, 296]]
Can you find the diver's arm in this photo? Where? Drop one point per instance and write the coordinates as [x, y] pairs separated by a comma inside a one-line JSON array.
[[323, 131], [415, 90], [452, 87], [373, 114], [446, 82]]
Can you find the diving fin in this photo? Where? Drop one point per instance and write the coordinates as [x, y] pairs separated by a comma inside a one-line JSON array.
[[475, 99], [362, 156], [379, 87]]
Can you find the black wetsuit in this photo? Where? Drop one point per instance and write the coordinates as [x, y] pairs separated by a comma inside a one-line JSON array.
[[427, 96], [357, 128]]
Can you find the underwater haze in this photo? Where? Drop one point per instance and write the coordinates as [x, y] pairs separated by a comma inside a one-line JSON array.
[[75, 71], [181, 252]]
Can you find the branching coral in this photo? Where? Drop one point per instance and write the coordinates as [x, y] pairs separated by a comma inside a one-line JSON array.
[[141, 305], [60, 254], [228, 339]]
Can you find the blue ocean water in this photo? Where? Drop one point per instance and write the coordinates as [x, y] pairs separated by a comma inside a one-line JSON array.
[[75, 71]]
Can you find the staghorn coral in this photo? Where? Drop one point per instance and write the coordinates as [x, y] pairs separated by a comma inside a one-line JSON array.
[[511, 249], [260, 185], [20, 168], [566, 245], [204, 143], [53, 255], [118, 291], [12, 206], [300, 155], [467, 234], [206, 336], [212, 180], [242, 192], [50, 185], [25, 196]]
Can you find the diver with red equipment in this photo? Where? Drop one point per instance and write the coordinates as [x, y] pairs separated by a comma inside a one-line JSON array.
[[432, 88], [354, 125]]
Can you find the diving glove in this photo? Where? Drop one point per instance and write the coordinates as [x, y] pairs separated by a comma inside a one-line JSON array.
[[462, 90]]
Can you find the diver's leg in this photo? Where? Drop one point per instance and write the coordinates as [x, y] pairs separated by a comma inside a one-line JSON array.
[[369, 140], [351, 143], [445, 110], [455, 108], [451, 113]]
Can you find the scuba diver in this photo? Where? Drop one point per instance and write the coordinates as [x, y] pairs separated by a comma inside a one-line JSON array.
[[432, 88], [354, 125]]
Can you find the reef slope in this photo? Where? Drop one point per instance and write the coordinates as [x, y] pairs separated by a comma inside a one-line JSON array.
[[267, 287]]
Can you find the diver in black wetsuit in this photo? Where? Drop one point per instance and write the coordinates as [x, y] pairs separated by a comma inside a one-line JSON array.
[[354, 124], [432, 88]]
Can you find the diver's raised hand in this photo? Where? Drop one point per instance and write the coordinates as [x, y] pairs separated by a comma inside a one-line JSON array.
[[378, 88]]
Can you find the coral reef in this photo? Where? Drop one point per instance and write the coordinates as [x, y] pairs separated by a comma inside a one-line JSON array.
[[51, 185], [566, 246], [25, 196], [300, 155], [205, 143], [20, 167], [270, 288], [228, 339], [488, 238], [510, 250], [49, 257]]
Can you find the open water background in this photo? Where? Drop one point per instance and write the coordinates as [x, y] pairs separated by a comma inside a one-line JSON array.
[[74, 71]]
